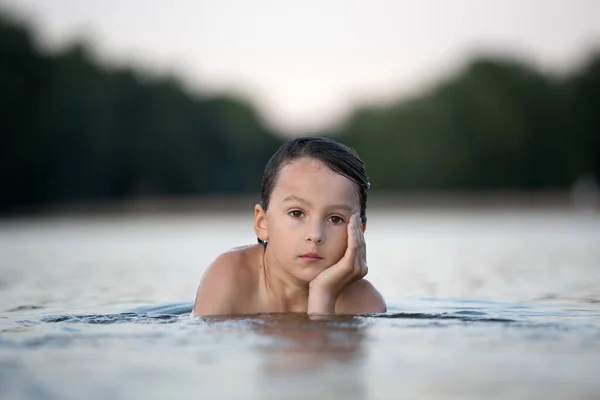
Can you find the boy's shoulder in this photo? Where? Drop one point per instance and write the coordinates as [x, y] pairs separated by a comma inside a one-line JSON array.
[[360, 297], [229, 278], [235, 266]]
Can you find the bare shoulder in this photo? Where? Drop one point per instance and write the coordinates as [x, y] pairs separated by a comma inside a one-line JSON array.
[[361, 297], [226, 282]]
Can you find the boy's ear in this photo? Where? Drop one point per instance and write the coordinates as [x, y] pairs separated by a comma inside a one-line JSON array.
[[260, 223], [364, 226]]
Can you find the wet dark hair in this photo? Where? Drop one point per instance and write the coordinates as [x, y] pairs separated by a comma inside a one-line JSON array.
[[336, 156]]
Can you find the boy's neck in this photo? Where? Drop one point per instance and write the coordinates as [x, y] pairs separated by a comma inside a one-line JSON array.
[[285, 292]]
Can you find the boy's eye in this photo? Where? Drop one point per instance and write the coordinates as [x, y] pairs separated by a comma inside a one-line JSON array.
[[296, 213], [336, 220]]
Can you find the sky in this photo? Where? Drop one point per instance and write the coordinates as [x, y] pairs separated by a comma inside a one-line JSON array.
[[306, 64]]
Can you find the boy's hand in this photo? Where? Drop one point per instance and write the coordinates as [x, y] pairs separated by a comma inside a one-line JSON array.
[[325, 288]]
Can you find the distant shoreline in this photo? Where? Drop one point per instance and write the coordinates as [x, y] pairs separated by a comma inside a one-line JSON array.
[[412, 200]]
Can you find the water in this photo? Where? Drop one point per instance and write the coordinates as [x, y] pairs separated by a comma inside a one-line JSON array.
[[482, 304]]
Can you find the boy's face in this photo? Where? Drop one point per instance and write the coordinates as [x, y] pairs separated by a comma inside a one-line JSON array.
[[306, 222]]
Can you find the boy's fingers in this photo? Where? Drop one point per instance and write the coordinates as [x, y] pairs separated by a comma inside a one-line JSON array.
[[350, 248], [359, 243]]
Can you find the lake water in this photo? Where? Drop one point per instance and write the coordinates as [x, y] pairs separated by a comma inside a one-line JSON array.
[[500, 304]]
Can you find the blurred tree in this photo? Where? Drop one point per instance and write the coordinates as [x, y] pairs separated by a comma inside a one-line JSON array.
[[24, 78], [498, 124], [583, 89], [73, 130]]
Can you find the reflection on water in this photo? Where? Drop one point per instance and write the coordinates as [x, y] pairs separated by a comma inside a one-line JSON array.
[[301, 344], [330, 354]]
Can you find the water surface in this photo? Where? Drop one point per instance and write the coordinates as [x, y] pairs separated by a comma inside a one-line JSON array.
[[482, 304]]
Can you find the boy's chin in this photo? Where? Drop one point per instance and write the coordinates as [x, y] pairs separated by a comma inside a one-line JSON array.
[[308, 274]]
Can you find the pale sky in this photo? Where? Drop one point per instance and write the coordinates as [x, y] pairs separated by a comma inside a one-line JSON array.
[[306, 63]]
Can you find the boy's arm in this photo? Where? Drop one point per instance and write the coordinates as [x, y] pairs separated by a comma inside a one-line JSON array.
[[361, 297], [216, 293]]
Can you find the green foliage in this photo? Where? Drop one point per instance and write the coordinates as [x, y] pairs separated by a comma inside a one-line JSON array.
[[584, 109], [73, 130], [497, 124]]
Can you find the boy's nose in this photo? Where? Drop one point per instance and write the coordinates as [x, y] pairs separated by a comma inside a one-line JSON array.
[[315, 234], [314, 239]]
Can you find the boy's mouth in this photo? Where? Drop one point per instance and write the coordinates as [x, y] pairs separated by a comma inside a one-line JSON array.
[[311, 257]]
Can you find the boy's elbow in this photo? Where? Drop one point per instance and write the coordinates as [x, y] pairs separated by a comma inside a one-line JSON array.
[[361, 298], [377, 305], [372, 302]]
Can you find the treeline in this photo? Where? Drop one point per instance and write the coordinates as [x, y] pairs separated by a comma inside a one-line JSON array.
[[74, 130], [497, 124]]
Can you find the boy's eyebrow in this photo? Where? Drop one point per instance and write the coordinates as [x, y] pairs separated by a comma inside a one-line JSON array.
[[308, 203], [345, 207], [298, 199]]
